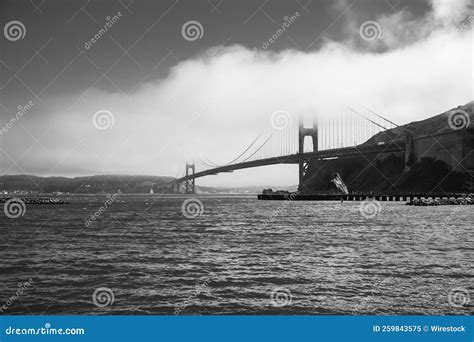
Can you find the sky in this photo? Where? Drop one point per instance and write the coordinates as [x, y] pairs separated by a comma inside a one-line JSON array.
[[146, 94]]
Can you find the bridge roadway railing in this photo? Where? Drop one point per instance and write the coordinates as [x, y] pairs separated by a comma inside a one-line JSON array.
[[343, 152]]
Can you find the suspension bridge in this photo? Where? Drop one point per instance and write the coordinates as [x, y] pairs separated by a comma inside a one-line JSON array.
[[345, 132]]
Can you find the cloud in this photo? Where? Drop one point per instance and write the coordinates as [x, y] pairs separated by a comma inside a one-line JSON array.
[[402, 28], [449, 12], [213, 105]]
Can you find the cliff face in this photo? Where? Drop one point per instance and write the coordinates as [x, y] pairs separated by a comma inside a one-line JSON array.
[[443, 160], [358, 173], [388, 174]]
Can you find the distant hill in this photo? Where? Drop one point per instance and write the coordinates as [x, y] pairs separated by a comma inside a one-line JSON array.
[[92, 184], [112, 183]]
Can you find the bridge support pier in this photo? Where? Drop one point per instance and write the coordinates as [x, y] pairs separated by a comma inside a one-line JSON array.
[[304, 162], [175, 186], [190, 182], [410, 157]]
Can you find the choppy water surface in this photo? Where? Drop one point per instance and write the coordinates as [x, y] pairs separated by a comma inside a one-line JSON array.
[[241, 256]]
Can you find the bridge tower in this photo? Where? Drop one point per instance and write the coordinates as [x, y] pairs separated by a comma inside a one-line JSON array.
[[304, 162], [190, 182]]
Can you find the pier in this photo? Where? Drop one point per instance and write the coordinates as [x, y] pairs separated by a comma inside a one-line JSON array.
[[453, 198], [35, 200]]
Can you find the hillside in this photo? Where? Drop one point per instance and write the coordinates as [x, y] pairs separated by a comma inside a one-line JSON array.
[[433, 125], [111, 183], [93, 184], [387, 172]]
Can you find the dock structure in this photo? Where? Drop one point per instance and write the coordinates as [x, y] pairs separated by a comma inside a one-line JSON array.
[[406, 197], [34, 200]]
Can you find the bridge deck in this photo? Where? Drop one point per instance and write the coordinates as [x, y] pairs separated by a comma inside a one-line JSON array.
[[295, 158]]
